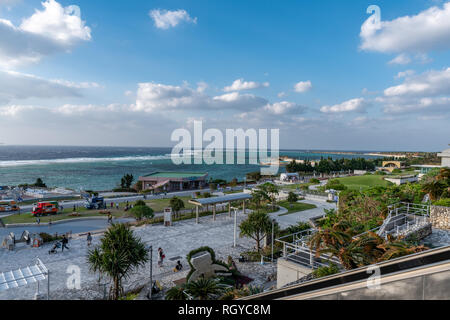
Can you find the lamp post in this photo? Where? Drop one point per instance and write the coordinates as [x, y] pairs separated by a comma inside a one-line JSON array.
[[273, 231], [235, 226], [151, 273]]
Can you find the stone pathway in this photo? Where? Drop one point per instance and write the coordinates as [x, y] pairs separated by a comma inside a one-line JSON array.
[[176, 241]]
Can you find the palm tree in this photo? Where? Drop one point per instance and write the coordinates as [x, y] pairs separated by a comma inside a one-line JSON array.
[[256, 226], [434, 189], [327, 237], [119, 254], [177, 293], [204, 289], [350, 255], [395, 249]]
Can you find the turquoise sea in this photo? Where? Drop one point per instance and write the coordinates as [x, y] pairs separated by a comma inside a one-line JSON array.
[[100, 168]]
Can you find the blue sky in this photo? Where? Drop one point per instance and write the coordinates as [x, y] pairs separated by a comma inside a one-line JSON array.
[[130, 72]]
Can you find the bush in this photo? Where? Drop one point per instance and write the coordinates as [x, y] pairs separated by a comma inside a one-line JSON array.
[[444, 202], [140, 212], [46, 238], [325, 271], [380, 173], [140, 203], [336, 185], [314, 181]]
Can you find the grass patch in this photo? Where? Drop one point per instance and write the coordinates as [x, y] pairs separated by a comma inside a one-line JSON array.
[[84, 213], [158, 205], [295, 207], [363, 182]]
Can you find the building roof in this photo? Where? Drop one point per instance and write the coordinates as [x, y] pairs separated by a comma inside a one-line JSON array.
[[445, 153], [175, 175], [221, 199]]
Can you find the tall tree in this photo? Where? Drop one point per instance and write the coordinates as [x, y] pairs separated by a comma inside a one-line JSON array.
[[119, 254], [176, 204], [257, 226]]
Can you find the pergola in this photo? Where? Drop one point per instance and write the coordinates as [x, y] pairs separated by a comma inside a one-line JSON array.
[[25, 276], [221, 199]]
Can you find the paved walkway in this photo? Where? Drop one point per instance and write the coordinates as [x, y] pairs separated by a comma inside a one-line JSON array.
[[176, 241], [302, 216]]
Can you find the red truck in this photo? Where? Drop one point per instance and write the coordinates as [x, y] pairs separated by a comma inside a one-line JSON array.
[[45, 208]]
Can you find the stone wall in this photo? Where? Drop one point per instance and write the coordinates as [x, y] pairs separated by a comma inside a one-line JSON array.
[[421, 233], [440, 217]]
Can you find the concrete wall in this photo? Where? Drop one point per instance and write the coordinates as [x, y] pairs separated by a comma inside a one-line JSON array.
[[440, 217], [288, 272]]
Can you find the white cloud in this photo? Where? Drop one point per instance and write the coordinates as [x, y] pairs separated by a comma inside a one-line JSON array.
[[431, 83], [240, 84], [15, 85], [428, 30], [422, 105], [165, 19], [353, 105], [155, 97], [53, 29], [63, 25], [401, 59], [405, 74], [283, 107], [425, 93], [303, 86]]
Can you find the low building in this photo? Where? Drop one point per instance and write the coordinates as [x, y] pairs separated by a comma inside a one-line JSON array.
[[445, 156], [173, 181], [399, 180]]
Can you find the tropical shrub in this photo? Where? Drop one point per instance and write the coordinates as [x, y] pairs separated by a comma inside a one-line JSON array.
[[141, 212]]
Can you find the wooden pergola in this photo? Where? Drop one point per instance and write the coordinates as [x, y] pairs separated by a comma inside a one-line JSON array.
[[201, 202]]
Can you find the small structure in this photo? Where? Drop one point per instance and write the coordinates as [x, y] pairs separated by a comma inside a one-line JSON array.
[[289, 177], [399, 180], [392, 165], [173, 181], [445, 156], [203, 266], [222, 199], [168, 217], [25, 276]]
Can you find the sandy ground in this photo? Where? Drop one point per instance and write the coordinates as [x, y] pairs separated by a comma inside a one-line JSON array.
[[176, 242]]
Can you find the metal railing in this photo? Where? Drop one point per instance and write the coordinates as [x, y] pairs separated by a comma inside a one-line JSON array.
[[296, 249], [404, 218]]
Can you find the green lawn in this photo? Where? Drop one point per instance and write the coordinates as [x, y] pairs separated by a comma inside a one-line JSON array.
[[159, 205], [29, 218], [364, 182], [295, 207], [291, 187]]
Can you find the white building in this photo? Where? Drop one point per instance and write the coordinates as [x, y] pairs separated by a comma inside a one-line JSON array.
[[445, 155]]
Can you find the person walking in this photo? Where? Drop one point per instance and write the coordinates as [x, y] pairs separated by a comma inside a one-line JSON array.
[[89, 239], [161, 257], [38, 221], [64, 243], [110, 218], [117, 206]]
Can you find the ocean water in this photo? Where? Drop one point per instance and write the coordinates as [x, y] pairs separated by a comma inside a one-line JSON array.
[[101, 168]]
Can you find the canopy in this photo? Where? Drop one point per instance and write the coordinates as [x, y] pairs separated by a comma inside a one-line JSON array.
[[226, 198], [23, 276]]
